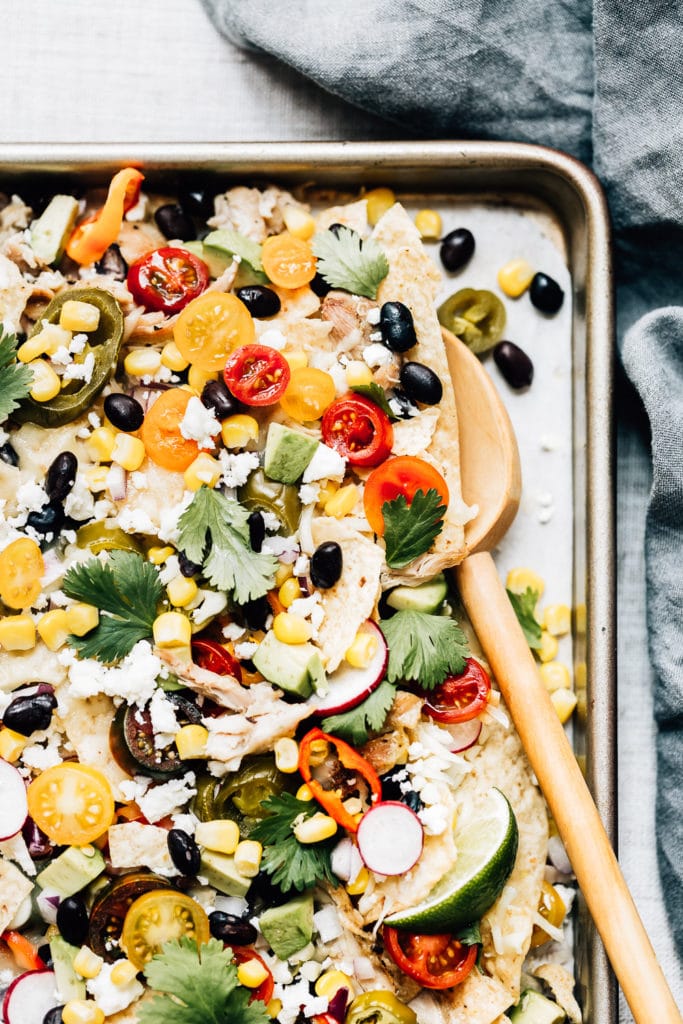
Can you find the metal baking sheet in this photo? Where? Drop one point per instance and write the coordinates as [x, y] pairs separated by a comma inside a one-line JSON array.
[[566, 229]]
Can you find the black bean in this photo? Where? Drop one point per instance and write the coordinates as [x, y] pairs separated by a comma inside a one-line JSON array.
[[320, 286], [61, 476], [406, 408], [28, 714], [187, 568], [45, 954], [184, 851], [457, 249], [421, 384], [8, 455], [514, 364], [113, 263], [124, 412], [231, 929], [397, 327], [217, 396], [545, 293], [39, 846], [54, 1016], [260, 301], [72, 920], [257, 530], [196, 200], [49, 520], [326, 565], [391, 788], [173, 222], [255, 613]]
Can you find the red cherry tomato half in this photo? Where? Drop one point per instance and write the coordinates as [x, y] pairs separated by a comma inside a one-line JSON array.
[[265, 990], [359, 430], [435, 961], [213, 657], [257, 374], [167, 279], [406, 474], [459, 698]]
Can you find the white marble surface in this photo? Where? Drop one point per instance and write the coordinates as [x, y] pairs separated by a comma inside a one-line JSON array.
[[155, 70]]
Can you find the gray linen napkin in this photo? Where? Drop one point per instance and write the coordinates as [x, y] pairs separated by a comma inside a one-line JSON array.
[[602, 80]]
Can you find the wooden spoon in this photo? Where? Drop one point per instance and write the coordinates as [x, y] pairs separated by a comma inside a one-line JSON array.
[[491, 477]]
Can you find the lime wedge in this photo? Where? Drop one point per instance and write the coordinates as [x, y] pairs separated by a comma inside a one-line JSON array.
[[487, 848]]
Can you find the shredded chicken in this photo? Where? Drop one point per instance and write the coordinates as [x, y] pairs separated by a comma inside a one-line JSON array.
[[348, 313], [15, 215], [253, 213]]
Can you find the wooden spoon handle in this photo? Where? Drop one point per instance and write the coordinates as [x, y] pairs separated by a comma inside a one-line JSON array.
[[566, 792]]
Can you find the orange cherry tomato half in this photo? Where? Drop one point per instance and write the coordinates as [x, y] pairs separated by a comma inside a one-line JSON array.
[[160, 432], [459, 698], [211, 327], [359, 430], [288, 261], [21, 569], [406, 474], [264, 992], [435, 961], [156, 918], [309, 393], [167, 279], [72, 803], [257, 375], [213, 657]]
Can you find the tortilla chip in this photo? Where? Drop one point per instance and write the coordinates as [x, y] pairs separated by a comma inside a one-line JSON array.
[[351, 215], [86, 723], [14, 888], [478, 1000]]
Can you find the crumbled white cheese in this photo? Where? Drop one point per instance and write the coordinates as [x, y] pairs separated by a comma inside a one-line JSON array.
[[309, 608], [168, 798], [308, 494], [233, 631], [326, 464], [327, 924], [133, 789], [41, 757], [79, 503], [237, 467], [400, 409], [170, 570], [185, 822], [134, 679], [30, 497], [81, 371], [109, 997], [373, 316], [199, 424], [164, 721], [212, 604], [273, 338], [301, 566], [138, 480], [170, 517], [135, 520], [338, 375], [376, 336], [297, 998], [76, 346], [281, 546], [61, 358], [377, 354], [246, 650]]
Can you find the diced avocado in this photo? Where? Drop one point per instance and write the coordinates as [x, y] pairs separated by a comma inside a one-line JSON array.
[[69, 985], [428, 597], [220, 872], [225, 243], [533, 1008], [50, 233], [216, 261], [287, 453], [296, 668], [288, 928], [75, 868]]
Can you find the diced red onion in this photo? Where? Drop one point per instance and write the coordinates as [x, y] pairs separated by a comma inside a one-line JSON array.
[[39, 846], [117, 482], [47, 901], [303, 583]]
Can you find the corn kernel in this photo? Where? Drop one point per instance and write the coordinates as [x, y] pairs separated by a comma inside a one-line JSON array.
[[515, 277], [101, 444], [248, 858], [298, 222], [17, 633], [45, 343], [326, 492], [429, 224], [204, 470], [282, 573], [564, 702], [304, 793], [519, 580], [297, 359], [313, 830], [122, 973], [46, 384], [555, 676], [362, 650], [86, 963], [172, 358], [197, 378], [358, 374], [53, 628], [221, 835], [79, 316], [171, 629], [354, 805], [557, 619], [549, 647], [142, 362], [252, 973], [81, 618], [359, 884], [329, 983], [11, 744], [128, 451], [292, 629], [181, 591], [343, 502], [157, 555], [237, 431], [274, 1008], [289, 592], [379, 200], [318, 752], [82, 1011], [191, 741], [286, 752]]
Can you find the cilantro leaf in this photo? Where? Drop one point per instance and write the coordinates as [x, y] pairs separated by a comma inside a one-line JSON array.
[[349, 262], [128, 588], [469, 935], [200, 987], [236, 244], [291, 864], [423, 647], [524, 606], [214, 533], [410, 530], [376, 394], [16, 379], [355, 725]]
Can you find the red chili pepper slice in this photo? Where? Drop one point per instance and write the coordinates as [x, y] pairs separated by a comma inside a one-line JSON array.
[[350, 759]]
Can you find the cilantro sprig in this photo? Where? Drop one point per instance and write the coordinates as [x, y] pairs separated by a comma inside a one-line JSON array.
[[524, 606], [410, 530], [214, 534], [16, 379], [291, 864], [349, 262], [424, 648], [127, 588], [355, 725], [198, 987]]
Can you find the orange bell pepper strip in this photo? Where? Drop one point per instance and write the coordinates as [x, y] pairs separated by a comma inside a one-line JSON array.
[[93, 236], [23, 951], [332, 799]]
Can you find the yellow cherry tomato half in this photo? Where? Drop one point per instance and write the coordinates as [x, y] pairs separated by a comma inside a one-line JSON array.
[[21, 568], [288, 261], [211, 327], [551, 906], [72, 803], [156, 918], [309, 393]]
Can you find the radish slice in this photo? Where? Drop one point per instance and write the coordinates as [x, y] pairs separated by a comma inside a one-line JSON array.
[[12, 801], [464, 734], [349, 686], [390, 838], [29, 997]]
